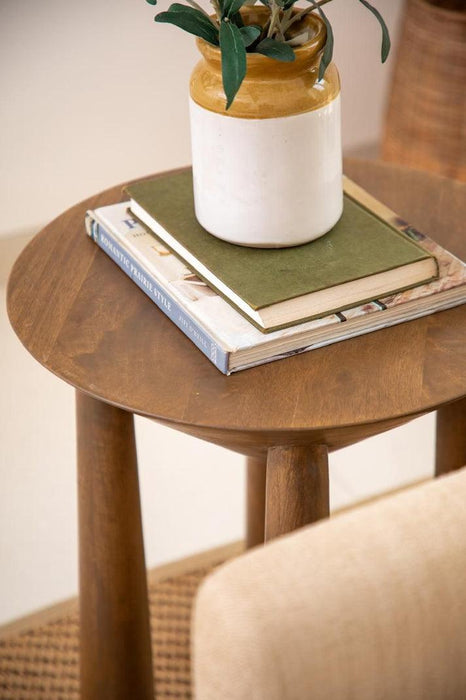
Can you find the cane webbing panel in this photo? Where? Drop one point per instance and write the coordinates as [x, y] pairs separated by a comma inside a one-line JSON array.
[[39, 654]]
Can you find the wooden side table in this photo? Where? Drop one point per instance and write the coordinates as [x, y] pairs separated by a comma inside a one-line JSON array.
[[86, 322]]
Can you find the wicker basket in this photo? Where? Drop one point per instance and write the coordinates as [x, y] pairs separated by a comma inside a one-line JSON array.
[[426, 117]]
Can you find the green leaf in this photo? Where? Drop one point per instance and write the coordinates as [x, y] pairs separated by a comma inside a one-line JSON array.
[[386, 43], [191, 20], [152, 2], [237, 19], [328, 48], [233, 60], [275, 49], [250, 33], [230, 7]]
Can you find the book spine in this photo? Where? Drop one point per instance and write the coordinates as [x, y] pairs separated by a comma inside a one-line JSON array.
[[148, 284]]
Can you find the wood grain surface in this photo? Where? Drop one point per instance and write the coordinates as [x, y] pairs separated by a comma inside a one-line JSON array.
[[451, 438], [89, 324], [116, 661], [297, 488], [85, 321], [255, 501]]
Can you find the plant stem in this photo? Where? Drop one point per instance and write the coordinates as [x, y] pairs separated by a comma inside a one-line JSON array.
[[287, 14], [288, 21], [215, 4], [194, 4], [275, 12], [297, 17]]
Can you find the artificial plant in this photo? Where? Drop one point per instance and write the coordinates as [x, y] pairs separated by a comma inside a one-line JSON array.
[[225, 28]]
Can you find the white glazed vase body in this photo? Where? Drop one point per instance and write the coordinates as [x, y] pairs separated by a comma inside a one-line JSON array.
[[267, 173]]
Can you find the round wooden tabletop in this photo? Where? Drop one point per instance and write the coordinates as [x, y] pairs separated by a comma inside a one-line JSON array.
[[84, 320]]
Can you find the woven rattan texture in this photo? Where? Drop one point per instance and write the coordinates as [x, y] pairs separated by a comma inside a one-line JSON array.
[[425, 125], [42, 663]]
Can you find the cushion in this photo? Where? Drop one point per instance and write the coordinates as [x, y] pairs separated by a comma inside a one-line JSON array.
[[370, 605]]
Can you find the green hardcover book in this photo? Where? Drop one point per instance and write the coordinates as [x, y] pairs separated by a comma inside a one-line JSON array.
[[362, 258]]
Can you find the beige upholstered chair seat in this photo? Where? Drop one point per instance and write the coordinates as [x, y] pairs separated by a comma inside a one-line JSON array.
[[368, 605]]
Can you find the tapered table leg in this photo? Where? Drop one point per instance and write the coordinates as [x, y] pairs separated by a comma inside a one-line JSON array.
[[255, 501], [451, 437], [115, 631], [297, 488]]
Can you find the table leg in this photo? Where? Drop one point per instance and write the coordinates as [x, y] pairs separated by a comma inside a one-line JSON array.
[[255, 499], [297, 488], [451, 437], [116, 659]]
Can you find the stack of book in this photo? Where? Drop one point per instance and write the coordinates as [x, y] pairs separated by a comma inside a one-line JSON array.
[[246, 306]]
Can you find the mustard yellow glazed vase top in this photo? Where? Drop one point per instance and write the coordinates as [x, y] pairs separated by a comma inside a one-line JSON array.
[[271, 88], [268, 171]]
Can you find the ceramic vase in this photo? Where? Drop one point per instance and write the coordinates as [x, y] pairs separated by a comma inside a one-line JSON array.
[[268, 172]]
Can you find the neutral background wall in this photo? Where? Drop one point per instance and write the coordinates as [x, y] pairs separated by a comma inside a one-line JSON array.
[[93, 93]]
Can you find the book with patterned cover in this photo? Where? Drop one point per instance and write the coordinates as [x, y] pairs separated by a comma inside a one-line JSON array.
[[224, 335]]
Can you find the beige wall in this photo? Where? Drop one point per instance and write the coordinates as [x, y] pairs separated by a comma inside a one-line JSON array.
[[93, 93]]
